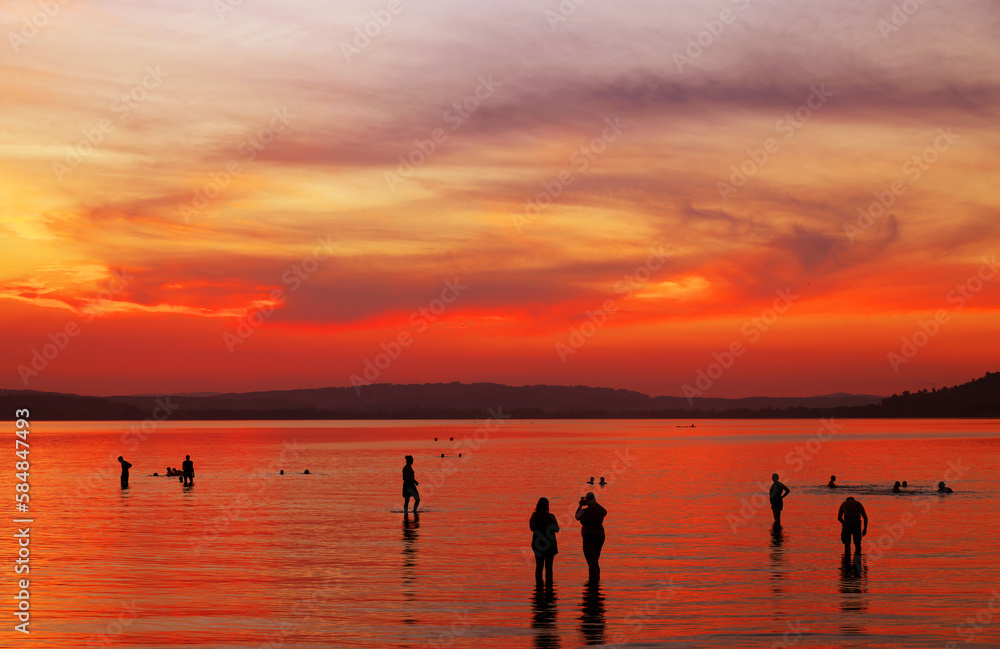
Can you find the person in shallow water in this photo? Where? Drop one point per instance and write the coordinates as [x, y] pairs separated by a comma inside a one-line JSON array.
[[833, 482], [410, 486], [943, 489], [544, 527], [188, 467], [850, 515], [777, 496], [895, 487], [591, 517], [126, 466]]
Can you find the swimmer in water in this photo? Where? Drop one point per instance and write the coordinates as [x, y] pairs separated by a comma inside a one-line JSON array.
[[895, 487], [943, 489], [833, 482]]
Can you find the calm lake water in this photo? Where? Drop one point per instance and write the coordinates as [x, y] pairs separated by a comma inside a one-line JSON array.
[[250, 558]]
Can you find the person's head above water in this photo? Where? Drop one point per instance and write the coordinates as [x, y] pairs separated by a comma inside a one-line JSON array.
[[897, 484], [904, 483], [833, 478], [543, 505]]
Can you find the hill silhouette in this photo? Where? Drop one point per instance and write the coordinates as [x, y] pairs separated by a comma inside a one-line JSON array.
[[978, 398]]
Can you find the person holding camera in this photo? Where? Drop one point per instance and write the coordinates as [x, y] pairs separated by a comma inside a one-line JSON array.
[[591, 517]]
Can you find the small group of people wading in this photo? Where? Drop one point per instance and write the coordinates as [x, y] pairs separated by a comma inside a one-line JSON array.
[[185, 475], [544, 527]]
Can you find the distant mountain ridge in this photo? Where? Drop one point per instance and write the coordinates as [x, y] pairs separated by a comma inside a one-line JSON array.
[[978, 398], [391, 400]]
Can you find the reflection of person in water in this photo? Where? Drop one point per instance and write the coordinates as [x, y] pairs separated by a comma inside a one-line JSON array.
[[126, 466], [591, 517], [854, 600], [592, 623], [777, 496], [850, 515], [777, 558], [411, 533], [410, 486], [543, 526], [543, 619]]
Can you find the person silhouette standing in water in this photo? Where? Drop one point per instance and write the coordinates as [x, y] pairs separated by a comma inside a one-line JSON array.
[[777, 496], [410, 486], [591, 517], [125, 467], [850, 515], [188, 468], [833, 482], [543, 526]]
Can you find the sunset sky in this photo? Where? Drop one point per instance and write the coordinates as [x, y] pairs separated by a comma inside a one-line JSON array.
[[233, 195]]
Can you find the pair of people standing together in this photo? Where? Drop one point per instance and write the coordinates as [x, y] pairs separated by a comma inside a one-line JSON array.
[[544, 527]]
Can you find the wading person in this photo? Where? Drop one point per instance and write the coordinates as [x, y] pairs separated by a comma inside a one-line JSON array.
[[125, 467], [777, 496], [850, 515], [188, 468], [410, 486], [591, 517], [543, 526]]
